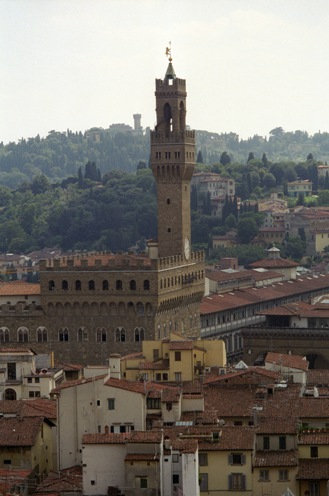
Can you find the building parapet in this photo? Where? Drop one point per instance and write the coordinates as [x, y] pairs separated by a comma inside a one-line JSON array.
[[174, 260], [98, 261], [187, 136]]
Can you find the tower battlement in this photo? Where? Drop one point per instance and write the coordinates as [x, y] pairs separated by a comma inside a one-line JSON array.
[[98, 261], [172, 84]]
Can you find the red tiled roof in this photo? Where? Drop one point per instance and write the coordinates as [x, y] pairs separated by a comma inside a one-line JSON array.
[[277, 425], [313, 469], [262, 372], [145, 437], [230, 438], [318, 377], [251, 296], [276, 459], [185, 445], [77, 382], [284, 360], [19, 431], [271, 263], [314, 437], [159, 365], [19, 288], [182, 345], [63, 482], [38, 407], [110, 438]]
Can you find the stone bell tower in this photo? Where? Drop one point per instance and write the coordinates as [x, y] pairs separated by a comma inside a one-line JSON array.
[[172, 160]]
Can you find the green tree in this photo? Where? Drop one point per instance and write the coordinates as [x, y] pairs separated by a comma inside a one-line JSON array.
[[199, 158], [225, 159], [269, 181], [247, 229]]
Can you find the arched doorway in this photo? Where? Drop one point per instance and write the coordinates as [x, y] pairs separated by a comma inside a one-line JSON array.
[[10, 394]]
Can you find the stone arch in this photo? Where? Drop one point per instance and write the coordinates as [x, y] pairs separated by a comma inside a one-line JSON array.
[[139, 334], [4, 335], [10, 394], [65, 285], [94, 308], [130, 308], [113, 309], [140, 308], [42, 334], [23, 334], [182, 114], [78, 285], [167, 115], [51, 309], [51, 285], [85, 309], [120, 334], [63, 334], [59, 309], [148, 308], [82, 334], [105, 285], [76, 309], [122, 308], [101, 335]]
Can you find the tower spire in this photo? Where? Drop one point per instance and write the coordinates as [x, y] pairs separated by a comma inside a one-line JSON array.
[[170, 73]]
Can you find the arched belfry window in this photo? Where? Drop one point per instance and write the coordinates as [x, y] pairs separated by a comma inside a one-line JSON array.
[[181, 116], [167, 114]]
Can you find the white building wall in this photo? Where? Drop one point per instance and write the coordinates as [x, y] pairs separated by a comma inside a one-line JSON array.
[[84, 409], [190, 474], [104, 464]]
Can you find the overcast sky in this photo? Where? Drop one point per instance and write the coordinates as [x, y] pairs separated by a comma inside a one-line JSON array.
[[250, 65]]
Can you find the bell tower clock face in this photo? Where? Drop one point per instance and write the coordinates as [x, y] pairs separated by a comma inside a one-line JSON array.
[[187, 248]]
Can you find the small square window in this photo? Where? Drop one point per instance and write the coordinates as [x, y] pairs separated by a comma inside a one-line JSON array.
[[92, 482], [111, 403], [175, 479], [283, 475], [37, 380], [264, 475], [143, 483], [178, 356], [203, 459], [314, 451], [98, 402], [29, 380]]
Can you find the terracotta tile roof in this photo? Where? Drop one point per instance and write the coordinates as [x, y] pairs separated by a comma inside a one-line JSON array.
[[19, 288], [130, 356], [110, 438], [314, 437], [258, 371], [66, 481], [318, 377], [77, 382], [159, 365], [229, 438], [283, 360], [313, 469], [274, 263], [181, 345], [277, 425], [185, 445], [251, 296], [145, 437], [70, 366], [26, 351], [149, 388], [12, 477], [38, 407], [19, 431], [276, 459], [141, 457]]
